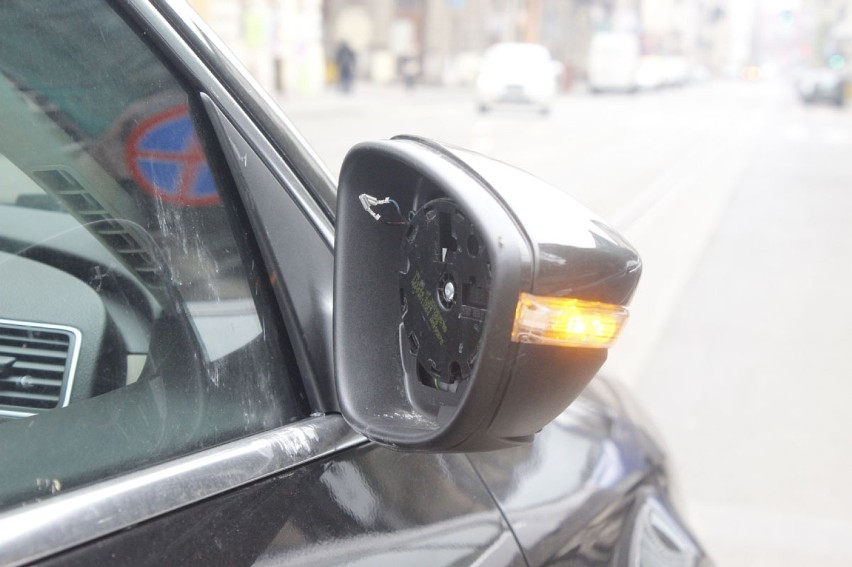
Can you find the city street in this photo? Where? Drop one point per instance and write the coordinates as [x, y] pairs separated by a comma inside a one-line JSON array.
[[738, 198]]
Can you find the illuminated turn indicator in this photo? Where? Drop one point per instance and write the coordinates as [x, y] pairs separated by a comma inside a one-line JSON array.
[[568, 322]]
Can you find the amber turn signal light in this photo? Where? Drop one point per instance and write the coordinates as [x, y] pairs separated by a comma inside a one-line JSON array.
[[567, 322]]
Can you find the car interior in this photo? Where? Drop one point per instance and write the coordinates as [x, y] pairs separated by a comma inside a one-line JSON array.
[[135, 314]]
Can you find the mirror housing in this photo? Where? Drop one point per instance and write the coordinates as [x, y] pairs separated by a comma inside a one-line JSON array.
[[434, 248]]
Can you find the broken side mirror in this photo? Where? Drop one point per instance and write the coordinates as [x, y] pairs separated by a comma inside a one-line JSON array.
[[473, 302]]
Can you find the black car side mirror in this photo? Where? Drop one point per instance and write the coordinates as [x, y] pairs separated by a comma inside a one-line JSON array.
[[473, 302]]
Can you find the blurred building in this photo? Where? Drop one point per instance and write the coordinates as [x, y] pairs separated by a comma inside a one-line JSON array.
[[279, 41], [448, 36], [445, 36], [788, 35], [290, 45], [827, 29]]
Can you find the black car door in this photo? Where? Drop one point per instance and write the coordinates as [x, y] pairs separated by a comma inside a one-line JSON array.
[[367, 506], [164, 324]]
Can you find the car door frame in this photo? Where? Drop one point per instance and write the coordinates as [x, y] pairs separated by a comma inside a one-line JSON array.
[[297, 188], [38, 530]]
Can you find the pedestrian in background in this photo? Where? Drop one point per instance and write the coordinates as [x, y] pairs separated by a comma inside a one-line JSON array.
[[410, 70], [345, 59]]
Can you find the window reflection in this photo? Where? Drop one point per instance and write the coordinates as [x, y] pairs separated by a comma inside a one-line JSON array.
[[106, 182]]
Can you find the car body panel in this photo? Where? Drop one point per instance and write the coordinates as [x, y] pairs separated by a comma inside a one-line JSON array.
[[592, 489], [364, 506], [575, 495]]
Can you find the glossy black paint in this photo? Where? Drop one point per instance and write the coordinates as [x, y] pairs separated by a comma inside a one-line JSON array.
[[300, 260], [370, 506], [569, 494], [576, 253], [571, 497], [580, 494]]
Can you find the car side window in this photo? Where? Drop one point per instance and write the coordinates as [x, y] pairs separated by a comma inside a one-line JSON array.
[[136, 323]]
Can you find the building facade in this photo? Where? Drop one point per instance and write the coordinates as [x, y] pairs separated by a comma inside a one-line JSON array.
[[290, 45]]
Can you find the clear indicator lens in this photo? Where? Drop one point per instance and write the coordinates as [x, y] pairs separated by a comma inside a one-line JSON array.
[[567, 322]]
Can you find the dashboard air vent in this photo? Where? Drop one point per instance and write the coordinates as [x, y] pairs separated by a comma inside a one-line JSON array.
[[36, 366], [122, 237]]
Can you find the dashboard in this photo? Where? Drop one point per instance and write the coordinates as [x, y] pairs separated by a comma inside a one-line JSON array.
[[74, 322]]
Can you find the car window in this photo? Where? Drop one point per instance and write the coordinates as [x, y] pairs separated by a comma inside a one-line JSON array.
[[135, 319]]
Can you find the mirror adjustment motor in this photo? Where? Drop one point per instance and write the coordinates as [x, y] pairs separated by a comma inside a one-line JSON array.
[[444, 287]]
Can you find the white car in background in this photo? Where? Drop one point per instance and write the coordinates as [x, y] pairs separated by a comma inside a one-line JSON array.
[[614, 59], [515, 73], [675, 70], [651, 73]]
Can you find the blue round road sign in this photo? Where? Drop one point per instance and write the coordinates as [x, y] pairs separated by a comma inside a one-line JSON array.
[[166, 159]]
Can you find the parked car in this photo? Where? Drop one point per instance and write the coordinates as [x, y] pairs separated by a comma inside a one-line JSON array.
[[212, 355], [614, 62], [817, 84], [651, 73], [675, 70], [517, 73]]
